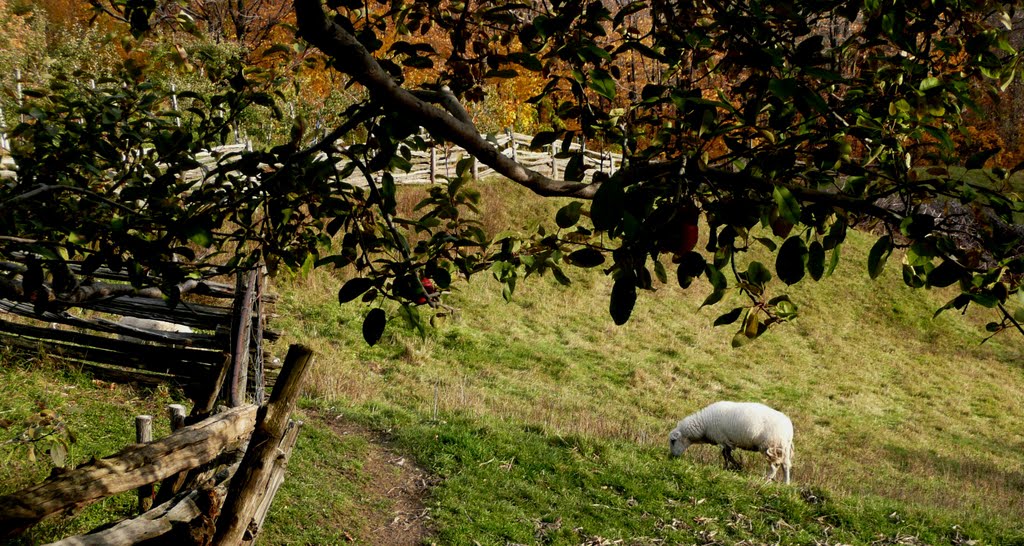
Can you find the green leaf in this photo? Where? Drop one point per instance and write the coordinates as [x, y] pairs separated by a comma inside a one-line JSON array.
[[713, 298], [58, 454], [602, 83], [353, 288], [757, 273], [929, 83], [833, 260], [623, 300], [878, 255], [569, 215], [544, 138], [692, 264], [716, 278], [574, 169], [729, 318], [200, 236], [791, 260], [911, 278], [373, 326], [412, 317], [739, 340], [607, 208], [586, 257], [978, 160], [816, 260], [947, 273], [659, 272], [789, 208], [767, 243]]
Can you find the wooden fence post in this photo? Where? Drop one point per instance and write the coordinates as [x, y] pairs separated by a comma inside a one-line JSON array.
[[447, 154], [17, 90], [554, 162], [512, 143], [170, 486], [258, 376], [174, 104], [433, 164], [242, 334], [144, 435], [253, 476], [3, 131], [176, 414], [276, 479]]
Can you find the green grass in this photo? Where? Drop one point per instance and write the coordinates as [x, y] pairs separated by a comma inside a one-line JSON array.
[[547, 424], [505, 482], [319, 502], [99, 418], [895, 411]]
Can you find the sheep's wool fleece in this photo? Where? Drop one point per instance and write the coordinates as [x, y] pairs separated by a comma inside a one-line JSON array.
[[743, 425]]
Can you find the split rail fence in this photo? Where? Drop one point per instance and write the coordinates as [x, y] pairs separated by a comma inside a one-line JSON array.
[[430, 166], [213, 479]]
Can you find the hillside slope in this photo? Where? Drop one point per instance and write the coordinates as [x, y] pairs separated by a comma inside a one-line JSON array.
[[890, 405]]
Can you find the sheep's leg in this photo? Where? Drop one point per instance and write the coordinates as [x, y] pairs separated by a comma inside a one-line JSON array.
[[774, 470], [730, 462], [785, 469]]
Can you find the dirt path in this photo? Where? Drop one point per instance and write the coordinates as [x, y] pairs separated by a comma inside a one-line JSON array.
[[392, 481]]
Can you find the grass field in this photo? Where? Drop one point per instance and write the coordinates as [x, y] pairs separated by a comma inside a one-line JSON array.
[[895, 412], [543, 423]]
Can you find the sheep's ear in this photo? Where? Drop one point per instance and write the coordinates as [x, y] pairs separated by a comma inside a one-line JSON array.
[[674, 435]]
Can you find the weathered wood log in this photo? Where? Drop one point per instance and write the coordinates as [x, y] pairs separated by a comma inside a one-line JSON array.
[[253, 475], [175, 370], [133, 467], [144, 435], [160, 522], [284, 453], [155, 523], [206, 401], [203, 317], [191, 286], [172, 484], [125, 345], [242, 335], [256, 348], [176, 415], [196, 315]]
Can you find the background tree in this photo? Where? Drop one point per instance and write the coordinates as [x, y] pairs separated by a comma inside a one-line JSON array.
[[802, 120]]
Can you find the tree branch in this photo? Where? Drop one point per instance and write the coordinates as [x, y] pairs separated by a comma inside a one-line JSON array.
[[357, 62]]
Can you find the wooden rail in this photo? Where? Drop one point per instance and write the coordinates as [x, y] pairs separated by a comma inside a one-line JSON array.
[[427, 166], [134, 467]]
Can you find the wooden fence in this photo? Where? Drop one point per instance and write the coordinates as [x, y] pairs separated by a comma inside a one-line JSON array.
[[224, 347], [428, 166], [218, 476], [219, 361]]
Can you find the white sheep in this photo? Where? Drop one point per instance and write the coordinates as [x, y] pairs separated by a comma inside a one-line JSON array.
[[151, 324], [742, 425]]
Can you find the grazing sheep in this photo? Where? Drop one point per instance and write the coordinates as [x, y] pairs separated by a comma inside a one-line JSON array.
[[742, 425], [151, 324]]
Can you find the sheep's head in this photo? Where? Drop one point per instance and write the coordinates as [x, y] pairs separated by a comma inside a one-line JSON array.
[[677, 444]]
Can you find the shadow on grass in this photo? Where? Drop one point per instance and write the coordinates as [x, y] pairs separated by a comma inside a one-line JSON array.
[[959, 484]]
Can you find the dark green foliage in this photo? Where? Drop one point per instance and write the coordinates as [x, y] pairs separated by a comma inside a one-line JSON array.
[[807, 118]]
